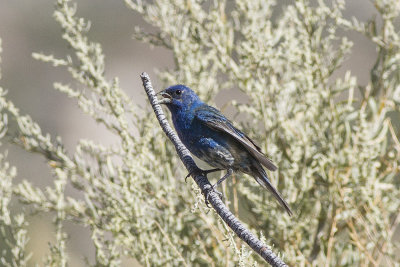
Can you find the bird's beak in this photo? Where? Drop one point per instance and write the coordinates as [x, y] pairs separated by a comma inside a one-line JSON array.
[[167, 98]]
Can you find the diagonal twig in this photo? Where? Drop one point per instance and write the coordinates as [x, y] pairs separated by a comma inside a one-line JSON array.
[[204, 184]]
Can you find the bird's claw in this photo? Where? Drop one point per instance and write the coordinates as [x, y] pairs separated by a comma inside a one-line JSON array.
[[189, 174], [203, 172], [207, 195]]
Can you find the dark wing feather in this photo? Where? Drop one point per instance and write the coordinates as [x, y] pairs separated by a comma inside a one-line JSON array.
[[214, 119]]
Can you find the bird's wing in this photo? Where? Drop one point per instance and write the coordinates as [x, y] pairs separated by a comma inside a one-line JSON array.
[[214, 119]]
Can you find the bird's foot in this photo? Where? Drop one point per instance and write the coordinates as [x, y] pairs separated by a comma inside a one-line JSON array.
[[203, 172], [207, 194], [190, 173]]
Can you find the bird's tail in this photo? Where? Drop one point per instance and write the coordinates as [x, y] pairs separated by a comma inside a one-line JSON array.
[[262, 178]]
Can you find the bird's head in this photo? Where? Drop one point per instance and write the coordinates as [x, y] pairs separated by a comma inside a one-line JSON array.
[[178, 97]]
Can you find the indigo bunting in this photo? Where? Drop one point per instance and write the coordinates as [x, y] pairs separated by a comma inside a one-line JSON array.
[[211, 137]]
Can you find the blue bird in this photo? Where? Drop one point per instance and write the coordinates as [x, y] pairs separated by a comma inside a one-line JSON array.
[[211, 137]]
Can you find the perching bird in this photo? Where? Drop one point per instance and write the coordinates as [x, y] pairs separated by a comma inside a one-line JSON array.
[[211, 137]]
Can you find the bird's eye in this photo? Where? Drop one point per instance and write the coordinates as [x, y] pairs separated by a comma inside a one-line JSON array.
[[178, 92]]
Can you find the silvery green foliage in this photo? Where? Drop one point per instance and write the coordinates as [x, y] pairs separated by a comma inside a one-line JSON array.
[[335, 142], [13, 231], [12, 227]]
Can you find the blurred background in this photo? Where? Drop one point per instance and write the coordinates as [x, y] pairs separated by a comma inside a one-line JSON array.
[[28, 26]]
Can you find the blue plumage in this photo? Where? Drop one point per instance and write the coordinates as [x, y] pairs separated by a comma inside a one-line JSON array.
[[210, 136]]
